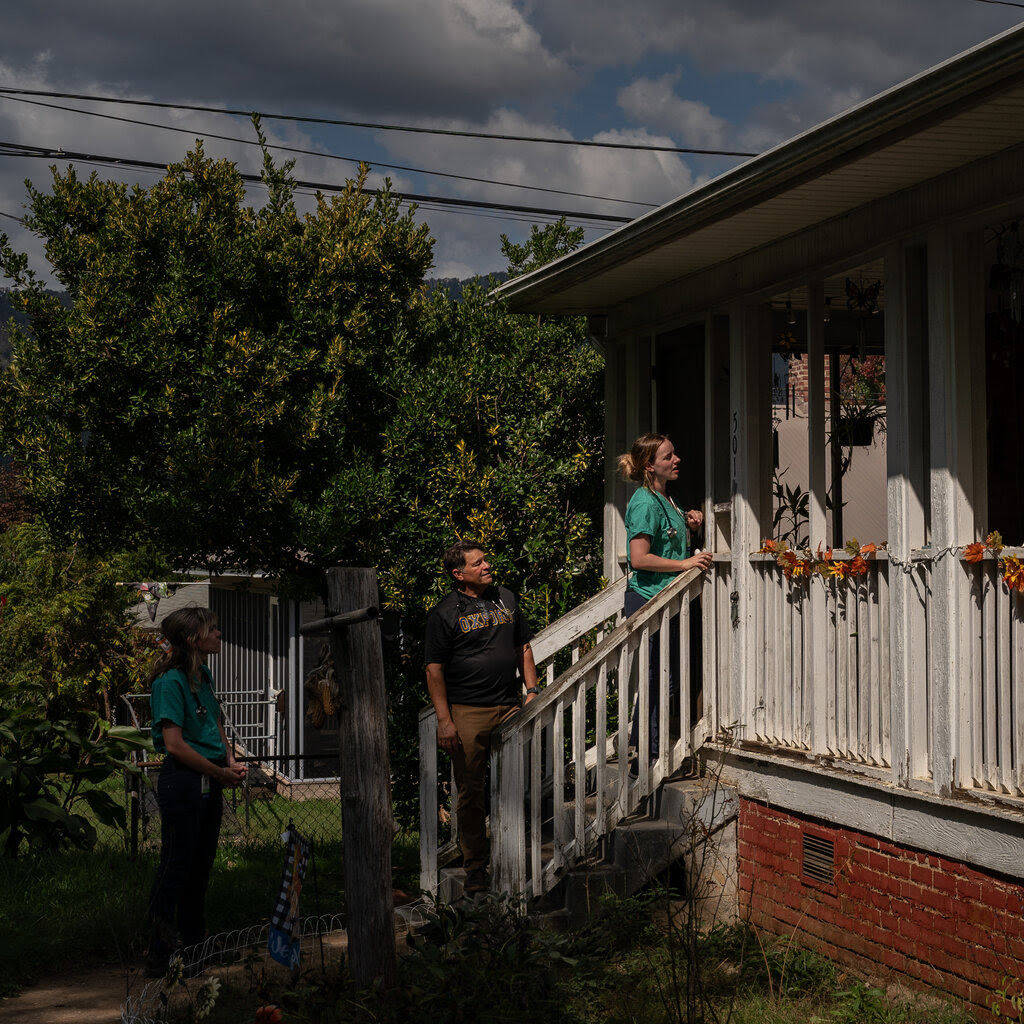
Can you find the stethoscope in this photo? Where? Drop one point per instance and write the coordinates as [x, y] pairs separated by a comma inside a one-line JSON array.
[[671, 532]]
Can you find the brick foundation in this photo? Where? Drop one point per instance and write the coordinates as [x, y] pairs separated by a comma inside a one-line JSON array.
[[890, 912]]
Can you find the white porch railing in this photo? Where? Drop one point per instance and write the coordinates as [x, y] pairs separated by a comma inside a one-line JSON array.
[[856, 682], [857, 685], [560, 769], [576, 734], [991, 734]]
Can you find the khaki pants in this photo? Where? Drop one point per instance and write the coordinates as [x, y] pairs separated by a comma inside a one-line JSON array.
[[470, 761]]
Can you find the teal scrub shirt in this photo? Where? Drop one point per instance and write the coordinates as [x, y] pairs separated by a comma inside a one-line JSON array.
[[650, 514], [197, 713]]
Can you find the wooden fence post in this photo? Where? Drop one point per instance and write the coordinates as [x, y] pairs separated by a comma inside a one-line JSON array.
[[366, 819]]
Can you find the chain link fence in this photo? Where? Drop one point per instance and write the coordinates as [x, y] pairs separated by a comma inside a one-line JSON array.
[[301, 790]]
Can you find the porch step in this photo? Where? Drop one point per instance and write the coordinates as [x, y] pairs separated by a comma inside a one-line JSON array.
[[686, 819]]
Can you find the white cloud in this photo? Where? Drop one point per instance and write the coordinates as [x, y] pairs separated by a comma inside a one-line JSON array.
[[653, 102]]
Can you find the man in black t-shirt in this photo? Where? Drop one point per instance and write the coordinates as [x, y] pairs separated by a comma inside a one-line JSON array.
[[477, 650]]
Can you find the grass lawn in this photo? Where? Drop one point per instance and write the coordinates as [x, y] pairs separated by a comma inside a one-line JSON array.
[[80, 909]]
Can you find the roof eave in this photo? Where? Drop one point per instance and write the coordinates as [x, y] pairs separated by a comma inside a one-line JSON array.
[[959, 82]]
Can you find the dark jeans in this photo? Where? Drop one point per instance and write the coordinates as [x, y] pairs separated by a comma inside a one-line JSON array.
[[633, 603], [189, 830]]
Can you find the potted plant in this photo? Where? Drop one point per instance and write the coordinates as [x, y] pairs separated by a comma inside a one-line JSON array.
[[861, 402]]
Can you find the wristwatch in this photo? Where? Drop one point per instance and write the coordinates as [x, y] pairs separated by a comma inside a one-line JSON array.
[[533, 689]]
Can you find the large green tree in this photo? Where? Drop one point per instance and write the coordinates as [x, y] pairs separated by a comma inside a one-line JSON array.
[[213, 387], [497, 435]]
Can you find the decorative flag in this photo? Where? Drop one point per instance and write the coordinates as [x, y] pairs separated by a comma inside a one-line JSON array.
[[285, 929]]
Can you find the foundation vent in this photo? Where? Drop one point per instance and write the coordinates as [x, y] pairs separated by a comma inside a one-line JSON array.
[[819, 859]]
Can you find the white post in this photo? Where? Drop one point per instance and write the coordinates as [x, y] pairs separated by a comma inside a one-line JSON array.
[[817, 679], [904, 325], [952, 264], [750, 373], [615, 382]]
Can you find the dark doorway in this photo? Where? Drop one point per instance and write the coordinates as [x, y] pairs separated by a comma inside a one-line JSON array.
[[679, 377]]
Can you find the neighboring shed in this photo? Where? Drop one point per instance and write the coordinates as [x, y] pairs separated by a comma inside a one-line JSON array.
[[260, 673]]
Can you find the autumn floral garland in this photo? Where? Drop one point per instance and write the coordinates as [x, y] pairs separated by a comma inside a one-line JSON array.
[[802, 565], [1010, 567]]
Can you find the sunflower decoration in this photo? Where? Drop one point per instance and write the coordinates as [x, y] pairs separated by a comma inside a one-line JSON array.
[[206, 998]]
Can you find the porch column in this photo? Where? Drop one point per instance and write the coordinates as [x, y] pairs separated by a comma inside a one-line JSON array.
[[614, 445], [905, 352], [816, 683], [750, 463], [955, 319]]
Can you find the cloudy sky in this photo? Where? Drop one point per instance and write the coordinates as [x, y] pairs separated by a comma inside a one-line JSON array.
[[732, 75]]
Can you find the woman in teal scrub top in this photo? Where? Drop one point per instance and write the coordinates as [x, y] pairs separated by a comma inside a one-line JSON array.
[[659, 537], [198, 764]]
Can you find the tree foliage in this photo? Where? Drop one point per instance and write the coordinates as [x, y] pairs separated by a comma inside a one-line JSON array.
[[65, 629], [497, 435], [213, 384]]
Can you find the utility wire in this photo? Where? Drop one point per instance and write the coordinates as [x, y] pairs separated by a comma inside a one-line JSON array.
[[326, 156], [369, 124], [40, 152], [1002, 3]]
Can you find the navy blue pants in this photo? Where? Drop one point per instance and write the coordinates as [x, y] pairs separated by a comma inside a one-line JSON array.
[[189, 830], [634, 602]]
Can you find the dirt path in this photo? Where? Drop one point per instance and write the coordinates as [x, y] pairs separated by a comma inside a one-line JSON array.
[[97, 995], [93, 996]]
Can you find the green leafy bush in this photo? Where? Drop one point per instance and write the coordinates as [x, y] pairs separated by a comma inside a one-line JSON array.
[[50, 775]]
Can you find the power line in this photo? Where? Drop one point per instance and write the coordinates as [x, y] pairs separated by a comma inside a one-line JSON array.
[[40, 152], [317, 153], [1002, 3], [372, 125]]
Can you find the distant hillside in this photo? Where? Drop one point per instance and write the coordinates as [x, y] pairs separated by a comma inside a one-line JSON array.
[[454, 286]]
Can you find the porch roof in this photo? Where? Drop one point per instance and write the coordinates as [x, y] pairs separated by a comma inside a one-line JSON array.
[[963, 110]]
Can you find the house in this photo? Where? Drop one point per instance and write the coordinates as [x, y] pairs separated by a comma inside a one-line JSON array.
[[872, 724]]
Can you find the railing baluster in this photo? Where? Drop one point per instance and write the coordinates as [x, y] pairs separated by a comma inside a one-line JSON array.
[[1003, 776], [830, 683], [644, 705], [989, 624], [664, 674], [885, 667], [622, 745], [536, 807], [428, 801], [601, 748], [579, 755], [558, 784], [686, 683], [1017, 627]]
